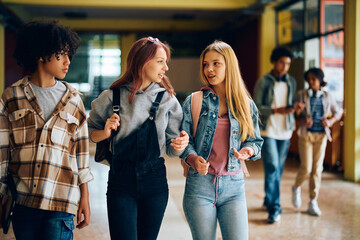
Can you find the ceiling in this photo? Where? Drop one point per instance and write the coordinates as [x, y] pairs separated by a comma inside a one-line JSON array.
[[138, 15]]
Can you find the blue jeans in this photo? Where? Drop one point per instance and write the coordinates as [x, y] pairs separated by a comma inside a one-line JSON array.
[[37, 224], [206, 201], [274, 154]]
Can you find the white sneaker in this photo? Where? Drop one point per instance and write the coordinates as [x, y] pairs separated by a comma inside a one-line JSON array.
[[296, 196], [314, 208]]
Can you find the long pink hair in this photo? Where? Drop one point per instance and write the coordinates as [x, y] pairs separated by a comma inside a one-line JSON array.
[[142, 51]]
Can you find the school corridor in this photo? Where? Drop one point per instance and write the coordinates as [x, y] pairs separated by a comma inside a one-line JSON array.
[[339, 201]]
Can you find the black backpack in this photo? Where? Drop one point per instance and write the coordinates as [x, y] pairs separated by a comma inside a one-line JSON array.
[[103, 152]]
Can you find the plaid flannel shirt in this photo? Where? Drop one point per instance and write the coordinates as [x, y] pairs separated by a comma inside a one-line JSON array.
[[49, 159]]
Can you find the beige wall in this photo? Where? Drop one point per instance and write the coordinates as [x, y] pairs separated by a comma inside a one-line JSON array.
[[184, 74], [126, 41]]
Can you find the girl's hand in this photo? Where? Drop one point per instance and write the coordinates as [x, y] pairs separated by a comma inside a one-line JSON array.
[[309, 122], [180, 143], [244, 153], [201, 166], [327, 122], [112, 123], [299, 106]]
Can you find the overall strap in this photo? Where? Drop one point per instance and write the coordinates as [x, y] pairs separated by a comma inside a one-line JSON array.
[[155, 105]]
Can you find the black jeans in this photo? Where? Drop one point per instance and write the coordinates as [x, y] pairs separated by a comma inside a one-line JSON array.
[[136, 205]]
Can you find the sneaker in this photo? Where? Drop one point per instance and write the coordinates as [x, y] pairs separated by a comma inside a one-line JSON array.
[[274, 216], [314, 209], [296, 196]]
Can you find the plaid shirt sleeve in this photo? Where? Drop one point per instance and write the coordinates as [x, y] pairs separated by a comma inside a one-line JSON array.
[[4, 146], [82, 153]]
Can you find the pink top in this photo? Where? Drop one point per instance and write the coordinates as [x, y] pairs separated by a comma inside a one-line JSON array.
[[220, 149]]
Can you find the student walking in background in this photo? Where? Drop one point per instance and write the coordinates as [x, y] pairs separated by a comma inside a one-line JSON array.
[[45, 145], [317, 111], [227, 132], [274, 95], [149, 123]]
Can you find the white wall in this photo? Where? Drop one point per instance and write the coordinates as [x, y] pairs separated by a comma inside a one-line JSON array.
[[312, 53]]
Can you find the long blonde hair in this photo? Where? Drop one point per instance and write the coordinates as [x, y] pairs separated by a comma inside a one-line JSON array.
[[237, 95]]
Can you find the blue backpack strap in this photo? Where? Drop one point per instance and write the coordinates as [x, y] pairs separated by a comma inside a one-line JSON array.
[[155, 105]]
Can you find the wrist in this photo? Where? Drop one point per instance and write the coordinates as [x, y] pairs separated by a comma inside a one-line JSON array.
[[106, 134]]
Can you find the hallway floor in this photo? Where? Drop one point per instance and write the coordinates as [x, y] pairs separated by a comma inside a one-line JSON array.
[[339, 201]]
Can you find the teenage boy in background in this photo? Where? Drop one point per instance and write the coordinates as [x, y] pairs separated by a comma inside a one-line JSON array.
[[274, 96], [44, 137]]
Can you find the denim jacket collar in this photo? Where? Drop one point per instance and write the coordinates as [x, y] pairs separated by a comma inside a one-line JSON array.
[[207, 90]]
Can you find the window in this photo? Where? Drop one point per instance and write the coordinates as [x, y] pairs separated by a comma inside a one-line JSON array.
[[333, 15], [332, 47], [105, 62], [311, 18], [96, 65], [290, 23]]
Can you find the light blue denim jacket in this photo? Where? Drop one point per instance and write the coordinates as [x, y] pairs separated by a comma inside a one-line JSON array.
[[202, 144]]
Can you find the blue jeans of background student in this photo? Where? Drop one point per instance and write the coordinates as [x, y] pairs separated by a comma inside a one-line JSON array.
[[206, 201], [274, 153], [38, 224]]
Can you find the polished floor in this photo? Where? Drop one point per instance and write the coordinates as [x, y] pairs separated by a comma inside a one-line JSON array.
[[339, 201]]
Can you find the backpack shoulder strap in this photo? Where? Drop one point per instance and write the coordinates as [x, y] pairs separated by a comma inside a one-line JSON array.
[[116, 100], [196, 103], [116, 105]]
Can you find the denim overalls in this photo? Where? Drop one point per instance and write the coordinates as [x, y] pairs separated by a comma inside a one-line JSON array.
[[137, 188]]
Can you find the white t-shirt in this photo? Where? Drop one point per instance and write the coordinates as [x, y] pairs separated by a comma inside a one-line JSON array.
[[276, 125]]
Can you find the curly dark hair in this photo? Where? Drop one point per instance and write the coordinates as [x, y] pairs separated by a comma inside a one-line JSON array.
[[40, 39], [319, 74], [280, 52]]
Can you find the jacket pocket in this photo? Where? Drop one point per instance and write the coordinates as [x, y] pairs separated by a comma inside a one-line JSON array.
[[64, 128], [23, 126]]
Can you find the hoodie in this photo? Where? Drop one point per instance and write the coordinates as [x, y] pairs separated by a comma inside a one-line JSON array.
[[132, 116]]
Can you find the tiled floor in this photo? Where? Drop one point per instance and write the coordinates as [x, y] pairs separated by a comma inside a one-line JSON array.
[[339, 201]]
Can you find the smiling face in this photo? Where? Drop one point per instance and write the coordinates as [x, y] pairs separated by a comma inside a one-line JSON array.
[[313, 81], [56, 67], [154, 70], [214, 68]]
